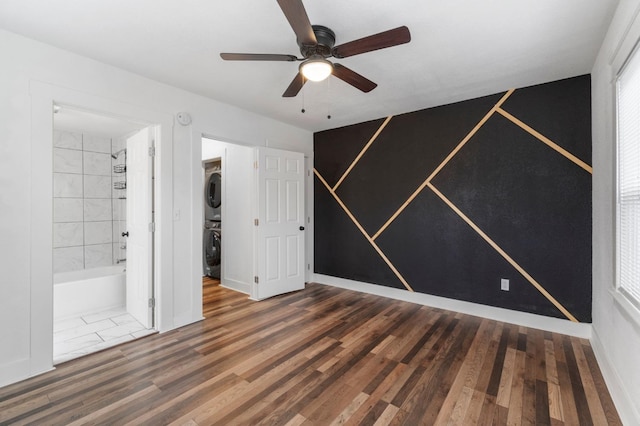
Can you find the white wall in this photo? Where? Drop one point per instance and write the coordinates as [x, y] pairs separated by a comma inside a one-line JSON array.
[[31, 77], [237, 212], [616, 335]]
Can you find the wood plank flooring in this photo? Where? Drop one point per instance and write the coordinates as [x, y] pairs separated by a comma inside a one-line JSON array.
[[324, 356]]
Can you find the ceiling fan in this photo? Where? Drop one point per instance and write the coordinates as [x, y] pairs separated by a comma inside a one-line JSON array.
[[316, 44]]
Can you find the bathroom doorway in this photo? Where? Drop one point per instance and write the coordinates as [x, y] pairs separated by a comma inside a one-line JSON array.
[[102, 235]]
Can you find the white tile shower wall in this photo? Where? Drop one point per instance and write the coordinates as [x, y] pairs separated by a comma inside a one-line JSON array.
[[67, 210], [70, 140], [68, 234], [97, 186], [83, 213], [119, 209], [67, 259], [95, 143], [67, 161], [66, 185], [119, 252], [97, 209], [119, 226], [96, 163], [98, 232], [98, 255], [118, 144]]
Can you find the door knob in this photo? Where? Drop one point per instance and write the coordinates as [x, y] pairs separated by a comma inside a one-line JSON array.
[[302, 228], [125, 234]]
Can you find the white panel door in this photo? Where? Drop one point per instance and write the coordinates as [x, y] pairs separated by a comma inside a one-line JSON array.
[[280, 230], [139, 217]]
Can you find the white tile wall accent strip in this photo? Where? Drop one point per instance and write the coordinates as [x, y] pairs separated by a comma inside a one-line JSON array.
[[97, 232], [67, 161], [67, 210], [97, 163], [97, 186], [97, 209], [96, 143], [67, 234], [62, 139], [66, 185], [98, 255], [67, 259]]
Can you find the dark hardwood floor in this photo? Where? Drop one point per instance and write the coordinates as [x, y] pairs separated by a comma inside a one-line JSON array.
[[324, 356]]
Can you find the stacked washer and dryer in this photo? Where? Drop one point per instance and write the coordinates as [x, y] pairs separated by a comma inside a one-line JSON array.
[[212, 237]]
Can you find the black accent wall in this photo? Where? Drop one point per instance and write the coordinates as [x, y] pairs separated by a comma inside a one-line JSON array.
[[510, 198]]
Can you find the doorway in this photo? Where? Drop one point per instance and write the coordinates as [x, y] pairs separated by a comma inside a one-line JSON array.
[[102, 192], [251, 202], [227, 173]]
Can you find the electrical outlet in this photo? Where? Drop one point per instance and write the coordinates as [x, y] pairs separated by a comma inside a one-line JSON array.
[[504, 284]]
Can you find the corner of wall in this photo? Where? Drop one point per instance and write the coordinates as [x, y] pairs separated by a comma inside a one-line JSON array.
[[627, 409]]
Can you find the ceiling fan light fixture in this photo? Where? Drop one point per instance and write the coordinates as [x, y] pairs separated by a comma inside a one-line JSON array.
[[316, 68]]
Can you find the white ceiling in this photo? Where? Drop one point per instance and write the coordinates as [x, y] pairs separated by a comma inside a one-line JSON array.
[[460, 49]]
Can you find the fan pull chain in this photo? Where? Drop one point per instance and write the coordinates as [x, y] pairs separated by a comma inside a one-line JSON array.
[[303, 90], [329, 98]]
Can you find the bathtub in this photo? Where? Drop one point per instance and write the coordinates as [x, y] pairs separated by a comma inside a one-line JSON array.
[[89, 290]]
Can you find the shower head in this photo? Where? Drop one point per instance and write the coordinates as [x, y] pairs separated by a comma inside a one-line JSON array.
[[116, 154]]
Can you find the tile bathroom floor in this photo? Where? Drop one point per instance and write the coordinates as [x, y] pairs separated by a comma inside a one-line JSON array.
[[76, 337]]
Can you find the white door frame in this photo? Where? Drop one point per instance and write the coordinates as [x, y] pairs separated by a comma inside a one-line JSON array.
[[308, 215], [198, 206], [233, 280], [43, 97]]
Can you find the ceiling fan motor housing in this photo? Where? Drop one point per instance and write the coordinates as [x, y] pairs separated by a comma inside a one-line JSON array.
[[317, 44], [326, 40]]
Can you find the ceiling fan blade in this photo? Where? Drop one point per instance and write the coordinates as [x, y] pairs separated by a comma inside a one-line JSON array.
[[295, 86], [257, 57], [353, 78], [296, 14], [381, 40]]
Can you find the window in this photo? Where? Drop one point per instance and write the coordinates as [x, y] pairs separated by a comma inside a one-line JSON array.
[[628, 188]]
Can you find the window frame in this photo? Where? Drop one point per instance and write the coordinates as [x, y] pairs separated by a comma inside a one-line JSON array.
[[624, 298]]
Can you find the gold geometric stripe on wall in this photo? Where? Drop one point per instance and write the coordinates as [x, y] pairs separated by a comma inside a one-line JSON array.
[[546, 140], [366, 235], [366, 147], [446, 160], [502, 253], [427, 183]]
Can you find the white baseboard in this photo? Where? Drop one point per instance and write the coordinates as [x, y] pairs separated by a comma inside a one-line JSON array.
[[185, 319], [627, 409], [14, 371], [540, 322], [236, 285], [19, 370]]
